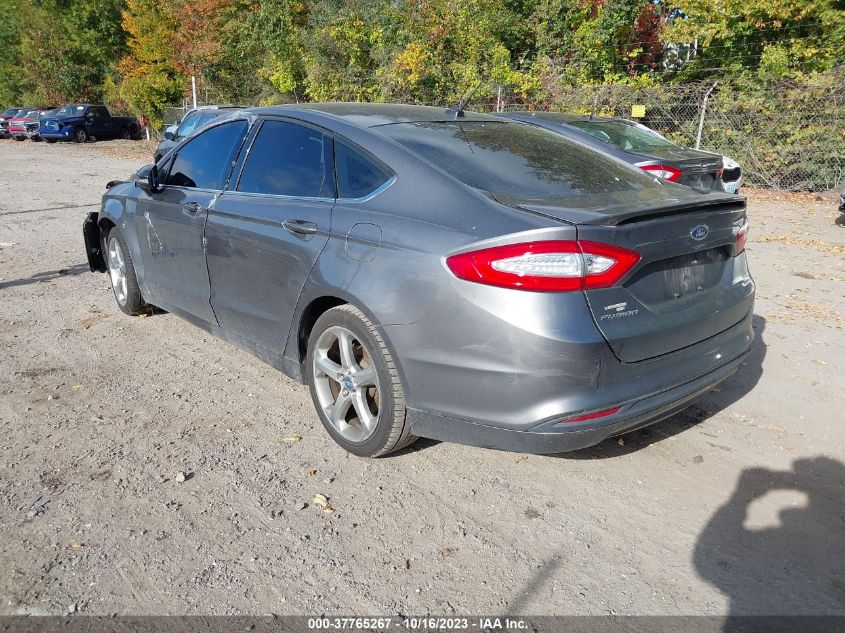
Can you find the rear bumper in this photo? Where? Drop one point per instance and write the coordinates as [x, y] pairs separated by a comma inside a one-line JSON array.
[[557, 438], [502, 368]]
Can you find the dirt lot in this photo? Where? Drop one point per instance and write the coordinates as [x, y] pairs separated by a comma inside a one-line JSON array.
[[734, 506]]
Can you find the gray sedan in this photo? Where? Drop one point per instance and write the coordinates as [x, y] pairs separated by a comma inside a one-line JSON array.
[[435, 273]]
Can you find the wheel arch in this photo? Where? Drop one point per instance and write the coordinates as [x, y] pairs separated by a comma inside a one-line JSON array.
[[306, 315]]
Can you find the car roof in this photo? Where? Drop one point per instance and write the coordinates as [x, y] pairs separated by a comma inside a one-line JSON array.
[[566, 117], [375, 114]]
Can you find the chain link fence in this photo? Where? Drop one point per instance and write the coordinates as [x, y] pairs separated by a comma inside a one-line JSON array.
[[786, 135]]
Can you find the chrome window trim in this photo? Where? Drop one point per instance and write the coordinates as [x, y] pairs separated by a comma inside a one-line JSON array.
[[376, 192], [253, 194], [181, 188]]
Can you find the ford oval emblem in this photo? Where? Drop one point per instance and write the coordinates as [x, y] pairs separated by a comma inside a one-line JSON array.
[[700, 232]]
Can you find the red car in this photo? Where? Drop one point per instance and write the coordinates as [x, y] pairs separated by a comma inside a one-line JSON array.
[[25, 124], [5, 117]]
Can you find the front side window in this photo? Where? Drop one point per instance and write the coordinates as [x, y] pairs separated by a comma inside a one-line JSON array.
[[357, 176], [204, 161], [289, 160]]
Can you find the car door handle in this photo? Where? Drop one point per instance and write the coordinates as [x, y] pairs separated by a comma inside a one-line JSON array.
[[192, 207], [303, 227]]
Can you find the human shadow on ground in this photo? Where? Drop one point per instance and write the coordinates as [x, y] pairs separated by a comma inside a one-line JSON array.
[[794, 562]]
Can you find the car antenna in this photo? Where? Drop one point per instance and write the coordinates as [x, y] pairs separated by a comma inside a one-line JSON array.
[[463, 103]]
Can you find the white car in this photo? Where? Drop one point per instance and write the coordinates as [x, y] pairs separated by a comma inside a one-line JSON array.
[[731, 175]]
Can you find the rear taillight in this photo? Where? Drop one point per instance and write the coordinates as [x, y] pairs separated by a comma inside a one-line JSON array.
[[553, 266], [742, 236], [662, 171]]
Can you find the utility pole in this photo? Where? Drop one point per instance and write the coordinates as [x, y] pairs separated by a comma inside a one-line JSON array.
[[194, 90]]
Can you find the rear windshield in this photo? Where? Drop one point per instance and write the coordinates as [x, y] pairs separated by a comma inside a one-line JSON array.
[[516, 160], [626, 136]]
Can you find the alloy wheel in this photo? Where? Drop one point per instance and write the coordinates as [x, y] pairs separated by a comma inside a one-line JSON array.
[[346, 383]]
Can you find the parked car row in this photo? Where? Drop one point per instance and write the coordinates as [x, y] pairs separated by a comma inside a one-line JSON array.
[[21, 123], [77, 122], [443, 273]]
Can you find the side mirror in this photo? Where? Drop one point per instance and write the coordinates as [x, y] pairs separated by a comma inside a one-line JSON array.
[[170, 136], [147, 179]]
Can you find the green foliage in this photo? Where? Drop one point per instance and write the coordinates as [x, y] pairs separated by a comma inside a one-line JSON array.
[[787, 37], [149, 79], [140, 54]]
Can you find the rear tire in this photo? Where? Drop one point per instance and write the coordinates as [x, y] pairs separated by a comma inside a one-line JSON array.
[[20, 138], [80, 135], [125, 134], [354, 384], [122, 274]]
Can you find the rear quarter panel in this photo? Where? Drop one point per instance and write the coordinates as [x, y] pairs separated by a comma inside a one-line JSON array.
[[393, 269]]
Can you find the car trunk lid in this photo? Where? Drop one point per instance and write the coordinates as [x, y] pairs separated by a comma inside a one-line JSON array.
[[689, 284]]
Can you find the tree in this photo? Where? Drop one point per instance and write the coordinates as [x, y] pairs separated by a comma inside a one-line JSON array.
[[149, 79], [740, 37]]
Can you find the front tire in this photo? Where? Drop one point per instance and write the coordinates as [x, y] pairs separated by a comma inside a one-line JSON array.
[[50, 140], [124, 283], [80, 135], [354, 384]]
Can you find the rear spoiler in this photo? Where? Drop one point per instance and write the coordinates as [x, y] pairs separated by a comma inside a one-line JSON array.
[[613, 217]]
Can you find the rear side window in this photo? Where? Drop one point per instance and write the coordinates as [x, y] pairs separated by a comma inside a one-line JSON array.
[[287, 159], [204, 161], [357, 176]]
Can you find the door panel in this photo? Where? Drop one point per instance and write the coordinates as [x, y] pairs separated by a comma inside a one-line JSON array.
[[170, 231], [171, 223], [260, 250]]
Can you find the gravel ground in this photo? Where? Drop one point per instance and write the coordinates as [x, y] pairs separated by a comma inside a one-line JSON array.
[[143, 468]]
